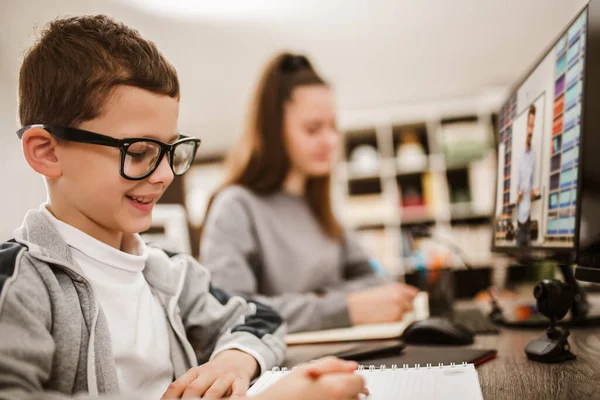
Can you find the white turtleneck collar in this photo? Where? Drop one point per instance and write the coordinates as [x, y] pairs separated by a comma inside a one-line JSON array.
[[132, 258]]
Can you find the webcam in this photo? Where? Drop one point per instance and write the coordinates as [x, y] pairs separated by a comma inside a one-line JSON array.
[[554, 299]]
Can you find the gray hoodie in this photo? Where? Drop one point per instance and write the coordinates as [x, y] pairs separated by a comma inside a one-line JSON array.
[[54, 339]]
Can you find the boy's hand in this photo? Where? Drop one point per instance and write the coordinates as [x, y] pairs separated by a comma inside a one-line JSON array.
[[326, 379], [228, 374], [327, 365]]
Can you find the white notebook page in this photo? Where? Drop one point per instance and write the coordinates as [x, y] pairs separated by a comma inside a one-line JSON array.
[[426, 383]]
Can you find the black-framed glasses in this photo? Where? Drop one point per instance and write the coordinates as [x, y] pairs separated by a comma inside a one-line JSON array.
[[139, 156]]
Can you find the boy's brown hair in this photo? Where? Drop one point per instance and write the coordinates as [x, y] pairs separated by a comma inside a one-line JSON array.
[[71, 71]]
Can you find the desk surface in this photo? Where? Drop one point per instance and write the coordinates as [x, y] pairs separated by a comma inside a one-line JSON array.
[[511, 375]]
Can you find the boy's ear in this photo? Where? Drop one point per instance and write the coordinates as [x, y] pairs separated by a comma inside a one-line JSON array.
[[39, 148]]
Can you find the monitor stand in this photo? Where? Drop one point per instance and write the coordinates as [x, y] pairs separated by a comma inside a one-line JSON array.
[[580, 307]]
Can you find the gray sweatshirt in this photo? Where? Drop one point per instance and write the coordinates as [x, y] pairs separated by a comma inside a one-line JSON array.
[[54, 338], [273, 250]]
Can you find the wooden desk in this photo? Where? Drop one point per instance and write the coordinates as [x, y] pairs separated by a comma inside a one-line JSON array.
[[511, 375]]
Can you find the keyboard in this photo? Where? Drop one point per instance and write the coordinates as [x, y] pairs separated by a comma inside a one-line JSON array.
[[475, 320]]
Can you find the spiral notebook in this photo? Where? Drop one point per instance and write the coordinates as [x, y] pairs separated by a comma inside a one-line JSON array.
[[439, 382]]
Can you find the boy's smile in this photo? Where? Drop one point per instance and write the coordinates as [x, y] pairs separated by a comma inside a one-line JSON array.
[[144, 203]]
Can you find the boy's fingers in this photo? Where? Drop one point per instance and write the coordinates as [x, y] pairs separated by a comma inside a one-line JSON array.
[[239, 388], [344, 385], [176, 389], [330, 365], [217, 390], [198, 387], [355, 383]]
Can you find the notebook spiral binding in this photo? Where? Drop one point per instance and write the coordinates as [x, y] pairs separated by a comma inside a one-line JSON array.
[[372, 368]]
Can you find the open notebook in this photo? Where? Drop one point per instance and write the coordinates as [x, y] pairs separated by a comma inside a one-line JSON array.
[[427, 383], [365, 332]]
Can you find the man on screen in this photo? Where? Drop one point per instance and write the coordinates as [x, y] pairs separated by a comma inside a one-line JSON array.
[[525, 188]]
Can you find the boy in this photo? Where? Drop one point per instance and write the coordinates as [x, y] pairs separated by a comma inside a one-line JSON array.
[[85, 305]]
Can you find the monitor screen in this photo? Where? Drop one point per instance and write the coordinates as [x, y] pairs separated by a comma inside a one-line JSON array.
[[538, 151]]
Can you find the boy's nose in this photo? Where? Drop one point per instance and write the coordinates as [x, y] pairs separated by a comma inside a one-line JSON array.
[[163, 173]]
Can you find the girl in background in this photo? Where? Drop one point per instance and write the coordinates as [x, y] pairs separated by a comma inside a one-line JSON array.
[[271, 234]]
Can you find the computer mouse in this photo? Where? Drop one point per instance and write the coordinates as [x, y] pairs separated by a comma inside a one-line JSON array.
[[437, 331]]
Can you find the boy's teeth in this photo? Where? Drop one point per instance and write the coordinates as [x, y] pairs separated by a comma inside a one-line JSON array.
[[141, 200]]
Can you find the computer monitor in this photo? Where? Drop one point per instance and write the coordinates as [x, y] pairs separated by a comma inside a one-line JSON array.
[[587, 239], [540, 136]]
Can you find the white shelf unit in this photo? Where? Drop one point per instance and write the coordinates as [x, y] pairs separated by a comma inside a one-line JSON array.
[[380, 216]]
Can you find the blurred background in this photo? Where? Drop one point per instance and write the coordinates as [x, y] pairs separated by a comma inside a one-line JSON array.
[[418, 85]]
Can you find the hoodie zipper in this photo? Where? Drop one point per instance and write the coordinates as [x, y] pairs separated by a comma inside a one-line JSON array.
[[171, 317], [92, 378]]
